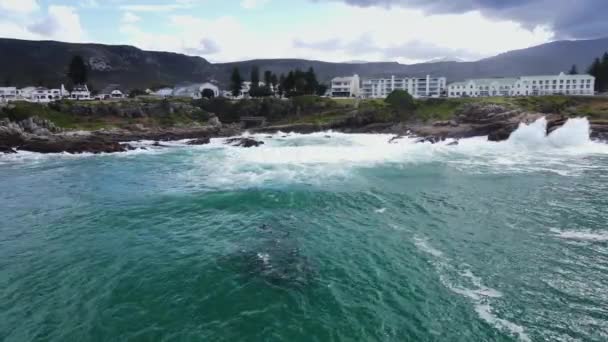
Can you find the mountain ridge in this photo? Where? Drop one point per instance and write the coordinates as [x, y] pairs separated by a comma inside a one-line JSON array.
[[24, 62]]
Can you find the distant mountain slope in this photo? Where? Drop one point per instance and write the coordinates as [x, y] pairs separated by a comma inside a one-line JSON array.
[[44, 62]]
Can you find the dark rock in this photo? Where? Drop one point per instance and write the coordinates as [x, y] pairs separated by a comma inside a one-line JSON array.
[[199, 141], [244, 142], [70, 145], [454, 143], [7, 149], [430, 139], [394, 139]]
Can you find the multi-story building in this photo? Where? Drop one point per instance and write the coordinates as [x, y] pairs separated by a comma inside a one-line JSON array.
[[346, 86], [418, 87], [561, 84]]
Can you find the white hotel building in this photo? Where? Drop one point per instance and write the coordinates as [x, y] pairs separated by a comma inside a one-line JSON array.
[[379, 88], [417, 87], [561, 84], [346, 86]]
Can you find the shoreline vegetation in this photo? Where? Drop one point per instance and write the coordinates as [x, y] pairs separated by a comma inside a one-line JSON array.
[[108, 126]]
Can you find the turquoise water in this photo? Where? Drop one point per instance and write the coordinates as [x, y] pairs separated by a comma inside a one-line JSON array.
[[326, 237]]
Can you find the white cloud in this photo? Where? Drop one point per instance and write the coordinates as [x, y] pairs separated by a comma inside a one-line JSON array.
[[19, 6], [130, 18], [410, 36], [60, 23], [251, 4], [220, 39]]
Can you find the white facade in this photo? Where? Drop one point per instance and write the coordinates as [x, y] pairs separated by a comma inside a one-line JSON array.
[[346, 86], [117, 94], [417, 87], [40, 94], [80, 92], [9, 94], [561, 84]]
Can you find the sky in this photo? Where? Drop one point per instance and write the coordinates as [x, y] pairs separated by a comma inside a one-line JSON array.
[[406, 31]]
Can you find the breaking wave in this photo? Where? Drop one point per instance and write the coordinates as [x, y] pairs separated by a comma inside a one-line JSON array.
[[313, 158]]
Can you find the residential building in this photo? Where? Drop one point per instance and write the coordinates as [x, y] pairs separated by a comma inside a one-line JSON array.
[[417, 87], [8, 94], [346, 86], [111, 91], [80, 92], [195, 90], [40, 94], [561, 84]]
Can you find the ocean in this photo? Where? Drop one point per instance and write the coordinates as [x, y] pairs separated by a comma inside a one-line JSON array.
[[321, 237]]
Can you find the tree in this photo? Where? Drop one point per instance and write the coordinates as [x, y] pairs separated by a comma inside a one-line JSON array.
[[603, 72], [281, 85], [595, 70], [255, 77], [311, 82], [573, 70], [401, 102], [268, 78], [236, 82], [321, 89], [77, 71]]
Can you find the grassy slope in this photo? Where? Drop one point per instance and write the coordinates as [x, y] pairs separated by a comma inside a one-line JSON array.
[[22, 110]]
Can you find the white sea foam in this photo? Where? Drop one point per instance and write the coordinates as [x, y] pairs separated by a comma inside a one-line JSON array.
[[582, 235], [424, 246], [380, 211], [315, 158], [471, 286]]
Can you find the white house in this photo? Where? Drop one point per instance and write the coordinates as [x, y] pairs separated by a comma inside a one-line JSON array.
[[40, 94], [561, 84], [195, 90], [346, 86], [80, 92], [117, 94], [9, 94], [210, 86], [417, 87]]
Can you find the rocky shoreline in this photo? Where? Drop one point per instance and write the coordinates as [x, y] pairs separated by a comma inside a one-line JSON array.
[[495, 121], [38, 135]]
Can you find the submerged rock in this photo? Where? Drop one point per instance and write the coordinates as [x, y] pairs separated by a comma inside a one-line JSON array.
[[199, 141], [276, 260], [244, 142]]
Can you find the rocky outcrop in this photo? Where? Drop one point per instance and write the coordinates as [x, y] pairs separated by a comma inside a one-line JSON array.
[[479, 119], [244, 142], [42, 136], [200, 141]]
